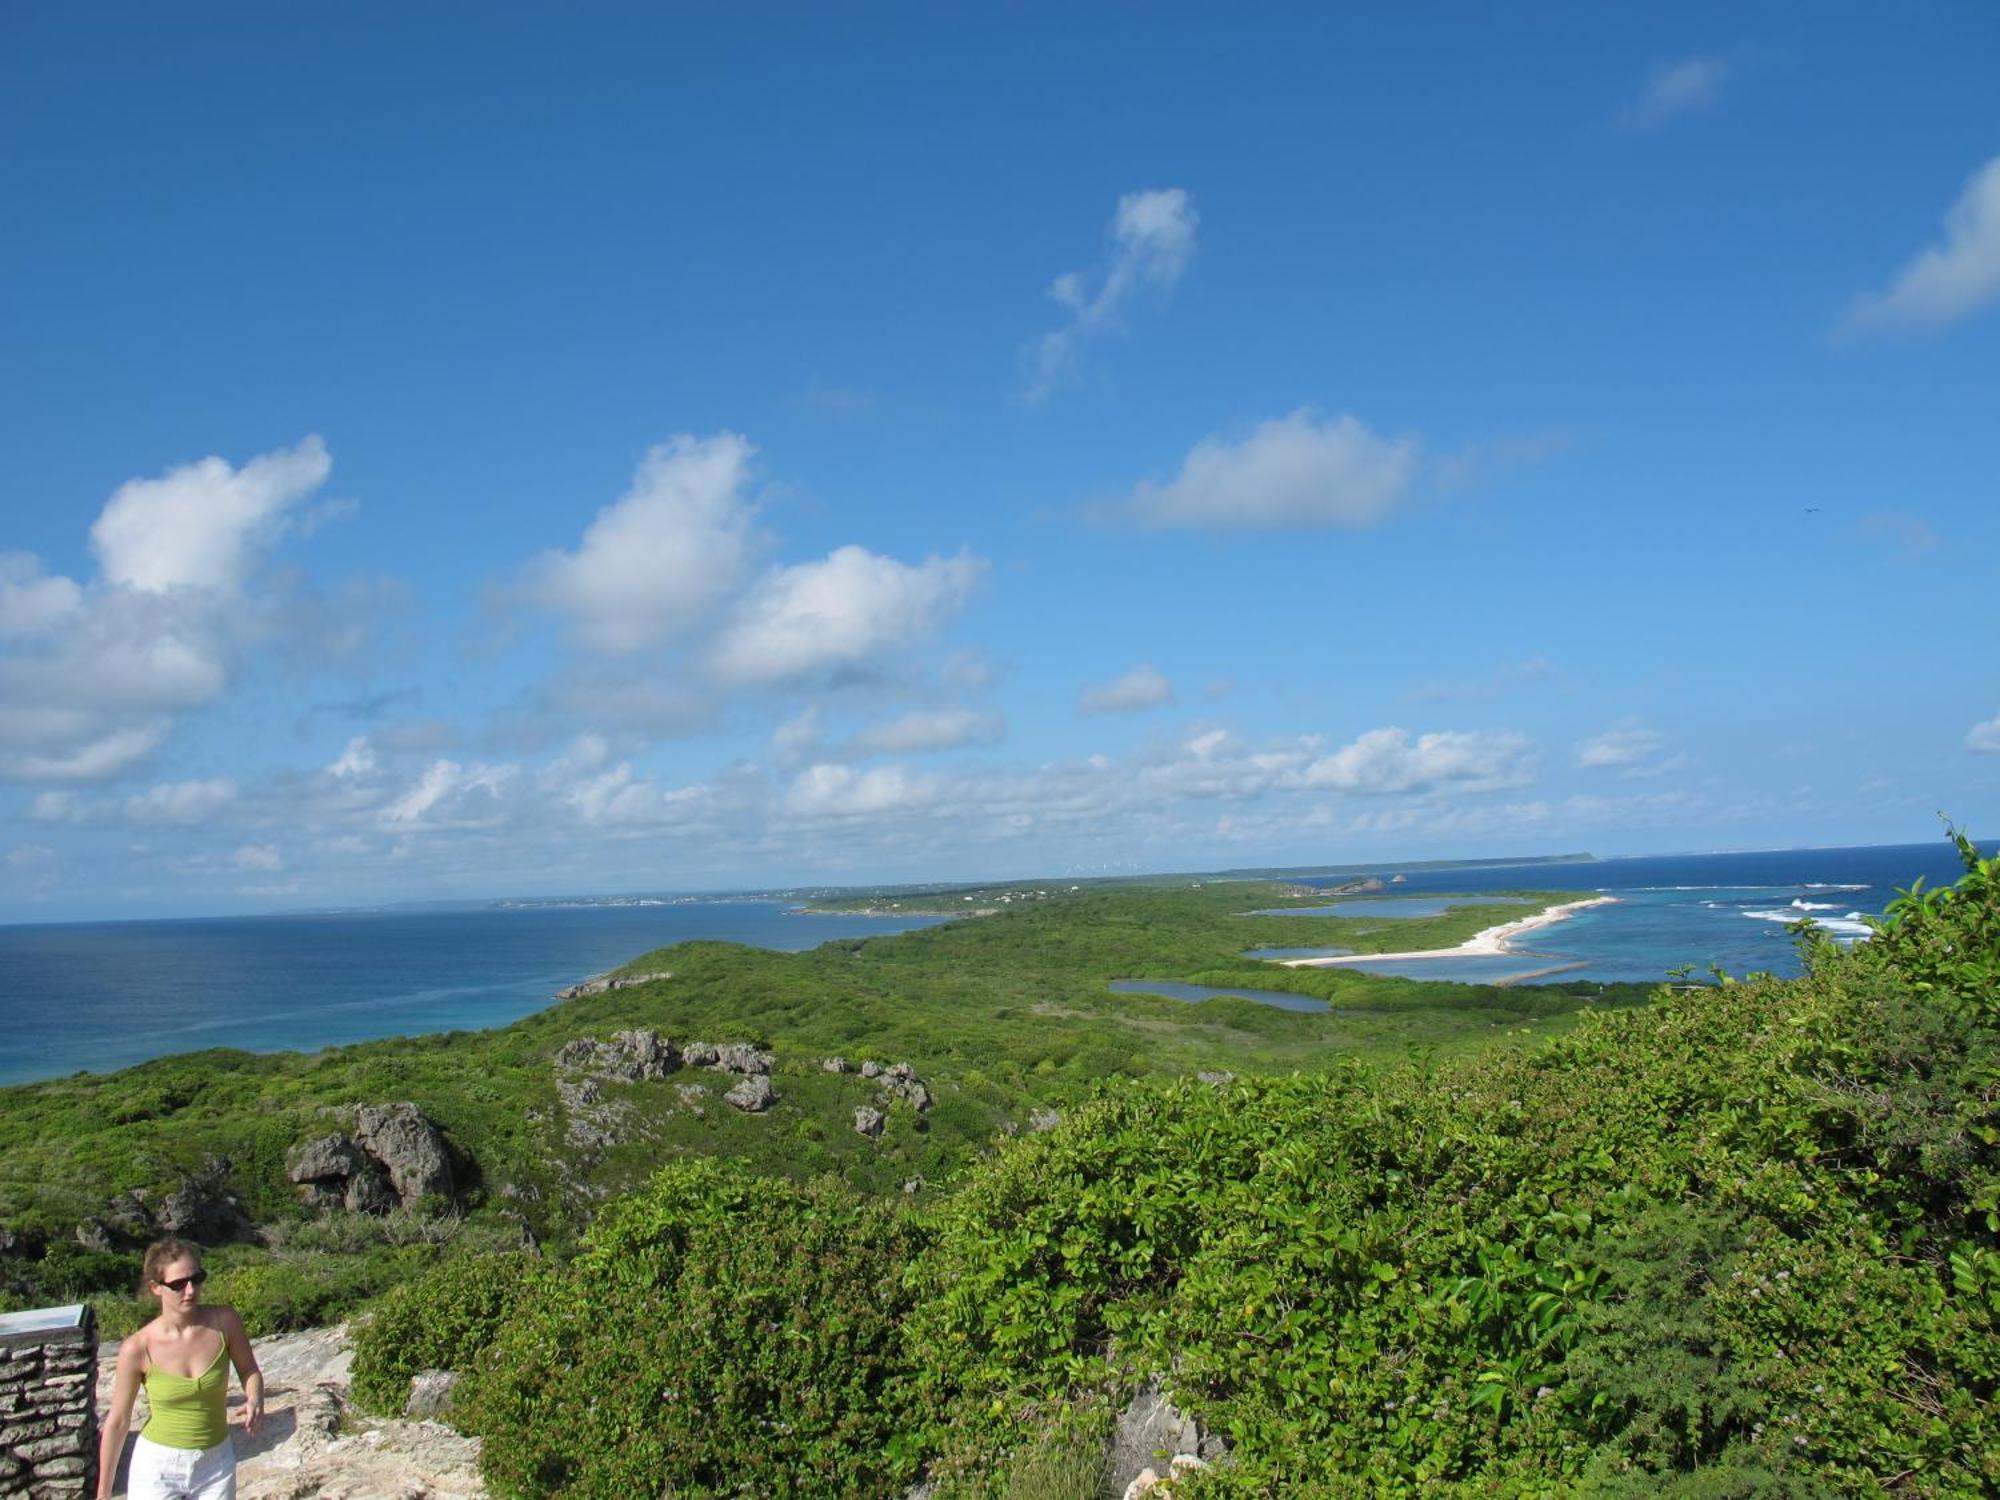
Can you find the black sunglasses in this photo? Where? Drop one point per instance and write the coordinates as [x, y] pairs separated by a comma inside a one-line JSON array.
[[181, 1283]]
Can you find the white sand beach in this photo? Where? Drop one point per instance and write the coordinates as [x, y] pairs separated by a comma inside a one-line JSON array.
[[1491, 940]]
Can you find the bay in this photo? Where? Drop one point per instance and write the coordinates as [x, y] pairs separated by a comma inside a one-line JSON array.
[[95, 996]]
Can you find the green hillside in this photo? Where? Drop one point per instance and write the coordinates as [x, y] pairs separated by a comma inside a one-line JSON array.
[[1442, 1239]]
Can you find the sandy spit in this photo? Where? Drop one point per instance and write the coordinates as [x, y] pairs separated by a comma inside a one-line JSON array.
[[1492, 940]]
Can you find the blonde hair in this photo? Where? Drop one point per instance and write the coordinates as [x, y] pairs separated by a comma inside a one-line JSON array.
[[161, 1254]]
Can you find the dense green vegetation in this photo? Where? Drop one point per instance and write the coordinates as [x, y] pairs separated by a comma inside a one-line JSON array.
[[1000, 1014], [1744, 1240], [1741, 1242]]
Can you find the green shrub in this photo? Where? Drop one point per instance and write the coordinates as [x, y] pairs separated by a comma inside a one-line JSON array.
[[439, 1321], [717, 1334], [69, 1273], [308, 1291], [1745, 1241]]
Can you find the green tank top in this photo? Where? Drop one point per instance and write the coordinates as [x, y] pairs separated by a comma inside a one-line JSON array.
[[189, 1413]]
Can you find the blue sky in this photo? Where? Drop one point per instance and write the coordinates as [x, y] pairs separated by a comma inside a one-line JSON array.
[[456, 451]]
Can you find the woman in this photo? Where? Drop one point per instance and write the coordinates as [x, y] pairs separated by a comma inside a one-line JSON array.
[[184, 1453]]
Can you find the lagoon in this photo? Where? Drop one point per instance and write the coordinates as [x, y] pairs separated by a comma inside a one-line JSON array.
[[1194, 994]]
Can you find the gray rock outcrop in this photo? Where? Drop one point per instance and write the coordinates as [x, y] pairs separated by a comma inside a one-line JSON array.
[[201, 1206], [395, 1157], [599, 984], [1044, 1119], [629, 1056], [753, 1095], [430, 1393], [835, 1065], [409, 1147], [1155, 1443], [740, 1057], [900, 1081], [869, 1121]]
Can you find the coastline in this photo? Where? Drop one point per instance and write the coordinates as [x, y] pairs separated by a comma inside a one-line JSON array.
[[1487, 942]]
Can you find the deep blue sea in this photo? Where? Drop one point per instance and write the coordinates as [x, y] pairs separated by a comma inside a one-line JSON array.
[[103, 995], [98, 996], [1700, 909]]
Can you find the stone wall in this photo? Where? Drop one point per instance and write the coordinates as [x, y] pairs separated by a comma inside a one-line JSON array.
[[48, 1410]]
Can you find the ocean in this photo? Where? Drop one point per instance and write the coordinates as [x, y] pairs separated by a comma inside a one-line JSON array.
[[99, 996], [102, 995], [1732, 910]]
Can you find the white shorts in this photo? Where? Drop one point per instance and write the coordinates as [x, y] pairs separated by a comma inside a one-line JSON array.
[[162, 1473]]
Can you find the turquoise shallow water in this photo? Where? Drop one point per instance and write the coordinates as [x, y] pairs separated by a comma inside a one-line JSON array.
[[102, 995], [1403, 908], [1727, 909], [1194, 993]]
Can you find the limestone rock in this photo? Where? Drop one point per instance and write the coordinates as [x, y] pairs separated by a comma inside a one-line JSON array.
[[910, 1090], [650, 1053], [395, 1157], [869, 1121], [740, 1057], [753, 1095], [700, 1054], [627, 1058], [409, 1148], [430, 1393], [127, 1215], [1218, 1076], [871, 1070], [203, 1208], [1044, 1119], [329, 1156], [599, 984], [835, 1065], [1155, 1442]]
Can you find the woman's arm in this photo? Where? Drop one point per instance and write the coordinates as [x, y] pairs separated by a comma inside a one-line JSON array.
[[118, 1420], [244, 1358]]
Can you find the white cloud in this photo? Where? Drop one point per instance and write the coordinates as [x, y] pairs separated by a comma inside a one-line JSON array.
[[199, 526], [839, 612], [92, 675], [1625, 744], [659, 560], [1152, 240], [97, 759], [928, 729], [1951, 279], [258, 857], [450, 794], [1141, 688], [829, 791], [1290, 472], [56, 807], [1678, 88], [182, 802], [1984, 739], [31, 601], [1385, 761], [357, 759]]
